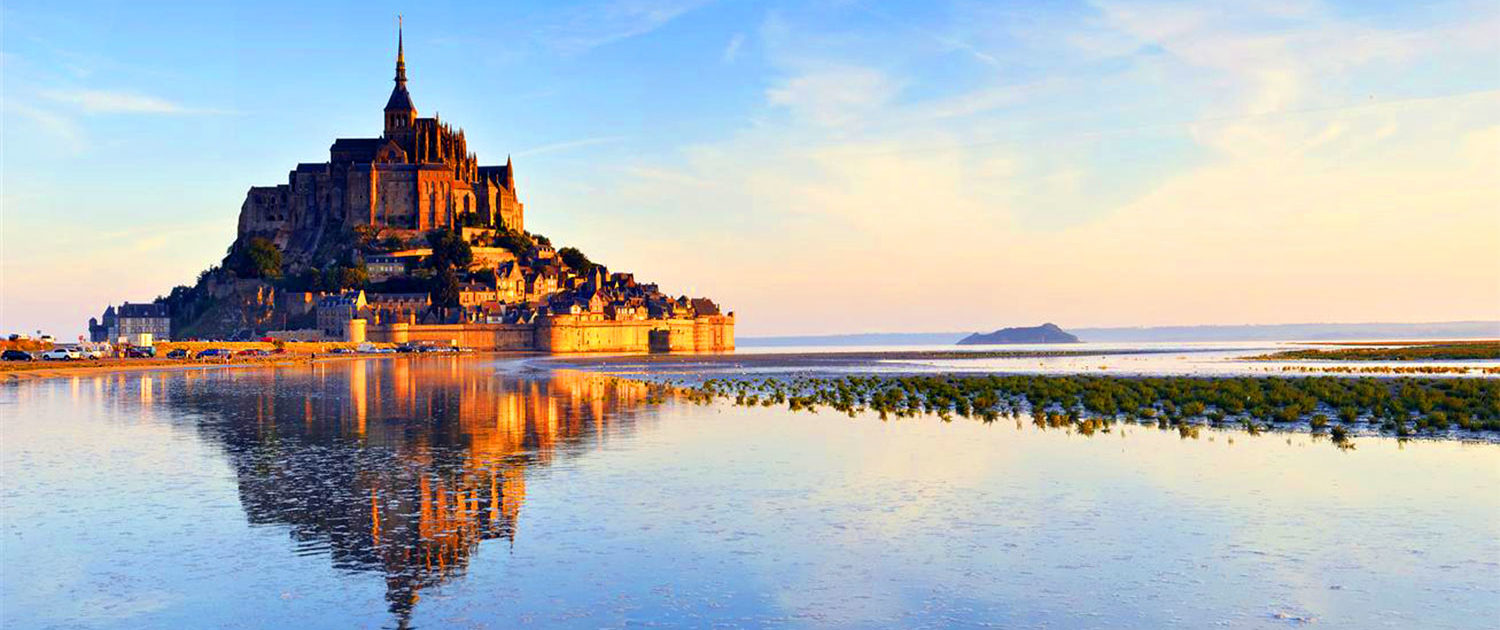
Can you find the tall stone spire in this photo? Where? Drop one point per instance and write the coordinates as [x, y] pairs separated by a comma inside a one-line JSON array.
[[400, 114], [400, 55]]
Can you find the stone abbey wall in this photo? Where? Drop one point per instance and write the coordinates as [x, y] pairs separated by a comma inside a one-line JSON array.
[[563, 334], [324, 199], [418, 175]]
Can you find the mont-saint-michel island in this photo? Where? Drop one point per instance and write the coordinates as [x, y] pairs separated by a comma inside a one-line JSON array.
[[761, 315], [406, 239]]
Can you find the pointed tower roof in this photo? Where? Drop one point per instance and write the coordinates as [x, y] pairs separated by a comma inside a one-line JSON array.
[[400, 100]]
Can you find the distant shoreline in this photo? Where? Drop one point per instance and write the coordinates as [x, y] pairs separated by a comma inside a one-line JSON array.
[[1427, 331]]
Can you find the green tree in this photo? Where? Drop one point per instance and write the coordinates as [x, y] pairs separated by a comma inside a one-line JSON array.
[[517, 243], [445, 288], [258, 258], [575, 259], [352, 276], [308, 280], [448, 250]]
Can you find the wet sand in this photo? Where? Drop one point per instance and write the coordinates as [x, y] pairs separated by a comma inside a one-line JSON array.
[[21, 371], [25, 371]]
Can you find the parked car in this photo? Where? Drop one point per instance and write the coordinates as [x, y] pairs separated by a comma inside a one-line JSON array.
[[61, 354], [215, 354], [252, 352], [16, 355], [142, 352], [91, 353], [180, 353], [342, 351]]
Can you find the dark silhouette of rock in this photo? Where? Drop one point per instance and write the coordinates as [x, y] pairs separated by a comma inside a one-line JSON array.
[[1046, 333]]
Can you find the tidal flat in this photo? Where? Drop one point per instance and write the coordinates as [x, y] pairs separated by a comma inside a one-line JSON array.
[[1337, 406], [431, 491]]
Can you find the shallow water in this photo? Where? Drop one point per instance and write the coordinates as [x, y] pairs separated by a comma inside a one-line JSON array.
[[1206, 358], [458, 492]]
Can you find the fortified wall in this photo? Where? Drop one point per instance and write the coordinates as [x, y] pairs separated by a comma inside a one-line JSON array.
[[562, 334]]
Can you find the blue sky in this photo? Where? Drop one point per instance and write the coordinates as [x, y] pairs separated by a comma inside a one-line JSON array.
[[816, 166]]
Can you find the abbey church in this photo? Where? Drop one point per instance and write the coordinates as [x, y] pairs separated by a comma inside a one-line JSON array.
[[418, 175]]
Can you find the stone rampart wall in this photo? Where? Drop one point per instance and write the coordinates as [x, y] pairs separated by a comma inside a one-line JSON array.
[[569, 334]]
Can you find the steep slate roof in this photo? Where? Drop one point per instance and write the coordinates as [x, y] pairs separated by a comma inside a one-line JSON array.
[[400, 99], [504, 175], [705, 306], [498, 172], [143, 310], [359, 149]]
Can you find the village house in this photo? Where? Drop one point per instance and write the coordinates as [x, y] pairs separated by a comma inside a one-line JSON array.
[[384, 267], [510, 282], [542, 283], [335, 311], [131, 321], [473, 294]]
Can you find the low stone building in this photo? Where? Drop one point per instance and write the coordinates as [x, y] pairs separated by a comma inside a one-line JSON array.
[[335, 311], [384, 267], [131, 321]]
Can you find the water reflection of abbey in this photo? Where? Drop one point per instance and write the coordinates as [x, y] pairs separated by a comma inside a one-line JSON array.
[[400, 467]]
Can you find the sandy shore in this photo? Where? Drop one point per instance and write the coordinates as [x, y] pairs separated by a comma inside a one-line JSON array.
[[18, 371], [59, 369]]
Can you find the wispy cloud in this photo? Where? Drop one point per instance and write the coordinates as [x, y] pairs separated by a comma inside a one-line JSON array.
[[111, 102], [63, 129], [732, 49], [834, 96], [584, 28], [947, 41], [570, 144]]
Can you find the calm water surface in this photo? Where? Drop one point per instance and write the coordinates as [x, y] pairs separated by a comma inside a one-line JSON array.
[[464, 492], [1203, 358]]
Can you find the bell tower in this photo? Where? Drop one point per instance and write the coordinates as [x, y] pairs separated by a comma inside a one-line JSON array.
[[400, 114]]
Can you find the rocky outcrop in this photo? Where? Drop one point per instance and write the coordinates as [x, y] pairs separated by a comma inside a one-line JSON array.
[[1046, 333]]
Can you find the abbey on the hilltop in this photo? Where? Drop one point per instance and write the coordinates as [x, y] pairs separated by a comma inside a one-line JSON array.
[[418, 175], [405, 239]]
